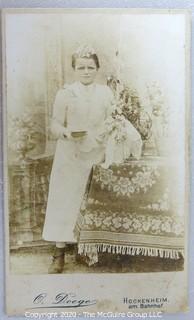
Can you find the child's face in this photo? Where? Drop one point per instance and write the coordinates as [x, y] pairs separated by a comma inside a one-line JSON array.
[[85, 70]]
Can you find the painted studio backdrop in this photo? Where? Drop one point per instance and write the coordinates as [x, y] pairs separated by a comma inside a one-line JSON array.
[[144, 57]]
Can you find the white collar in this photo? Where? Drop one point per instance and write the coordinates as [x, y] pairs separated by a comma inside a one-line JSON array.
[[86, 89], [77, 89]]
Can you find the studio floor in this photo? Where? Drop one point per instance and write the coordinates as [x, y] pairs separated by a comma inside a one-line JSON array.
[[36, 260]]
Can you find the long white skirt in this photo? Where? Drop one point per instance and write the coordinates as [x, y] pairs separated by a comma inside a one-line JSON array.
[[69, 175]]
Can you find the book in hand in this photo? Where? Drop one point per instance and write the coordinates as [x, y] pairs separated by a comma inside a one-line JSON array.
[[78, 133]]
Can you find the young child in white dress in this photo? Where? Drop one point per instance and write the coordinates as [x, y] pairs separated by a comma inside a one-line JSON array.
[[79, 111]]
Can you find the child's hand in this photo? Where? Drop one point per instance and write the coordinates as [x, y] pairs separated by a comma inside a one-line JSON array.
[[66, 133]]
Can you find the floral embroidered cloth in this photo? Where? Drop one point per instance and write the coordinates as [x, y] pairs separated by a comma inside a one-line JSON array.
[[130, 209]]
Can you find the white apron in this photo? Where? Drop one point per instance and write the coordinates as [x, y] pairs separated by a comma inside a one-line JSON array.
[[77, 107]]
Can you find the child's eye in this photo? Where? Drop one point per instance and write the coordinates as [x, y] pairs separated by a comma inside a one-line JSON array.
[[83, 68]]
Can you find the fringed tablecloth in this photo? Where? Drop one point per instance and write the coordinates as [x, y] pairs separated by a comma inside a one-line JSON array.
[[131, 209]]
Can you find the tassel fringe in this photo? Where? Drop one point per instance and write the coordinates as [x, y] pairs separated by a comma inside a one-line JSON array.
[[87, 249]]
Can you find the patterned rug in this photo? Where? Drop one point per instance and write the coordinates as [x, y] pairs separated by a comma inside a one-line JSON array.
[[131, 209]]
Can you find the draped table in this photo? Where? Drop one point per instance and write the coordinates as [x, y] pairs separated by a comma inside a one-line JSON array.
[[131, 208]]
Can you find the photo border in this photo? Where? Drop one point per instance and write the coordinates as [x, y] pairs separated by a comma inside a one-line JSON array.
[[114, 4]]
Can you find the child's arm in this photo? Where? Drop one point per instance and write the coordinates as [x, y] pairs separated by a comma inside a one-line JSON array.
[[59, 117]]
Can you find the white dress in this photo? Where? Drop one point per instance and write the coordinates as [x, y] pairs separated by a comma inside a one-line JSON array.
[[77, 107]]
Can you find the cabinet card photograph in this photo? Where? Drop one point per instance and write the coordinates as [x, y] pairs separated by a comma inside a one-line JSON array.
[[96, 113]]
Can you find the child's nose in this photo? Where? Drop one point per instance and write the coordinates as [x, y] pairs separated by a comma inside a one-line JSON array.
[[86, 69]]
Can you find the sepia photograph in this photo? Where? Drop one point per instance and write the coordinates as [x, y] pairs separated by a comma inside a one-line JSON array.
[[96, 143]]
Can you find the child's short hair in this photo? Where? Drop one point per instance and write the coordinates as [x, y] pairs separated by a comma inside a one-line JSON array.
[[85, 51]]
